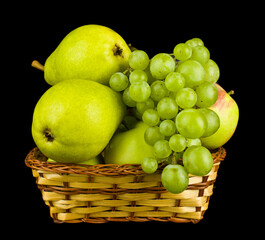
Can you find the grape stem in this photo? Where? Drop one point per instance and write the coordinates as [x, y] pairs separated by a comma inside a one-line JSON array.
[[162, 160], [37, 65], [132, 48], [126, 71], [174, 160]]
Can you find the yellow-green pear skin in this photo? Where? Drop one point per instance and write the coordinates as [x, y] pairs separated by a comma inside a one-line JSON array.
[[75, 119], [129, 147], [93, 161], [92, 52]]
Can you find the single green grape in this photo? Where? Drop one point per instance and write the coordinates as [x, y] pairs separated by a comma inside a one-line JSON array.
[[213, 121], [186, 98], [118, 82], [162, 149], [191, 123], [161, 65], [167, 108], [158, 90], [137, 114], [149, 165], [177, 143], [175, 178], [193, 72], [138, 76], [151, 117], [152, 135], [182, 51], [200, 54], [128, 101], [207, 95], [212, 71], [198, 160], [194, 42], [167, 128], [151, 79], [148, 104], [140, 91], [138, 60], [174, 81]]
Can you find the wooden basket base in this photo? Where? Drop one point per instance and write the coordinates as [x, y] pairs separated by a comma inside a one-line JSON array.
[[103, 193]]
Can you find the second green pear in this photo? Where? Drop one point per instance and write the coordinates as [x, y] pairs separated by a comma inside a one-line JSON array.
[[74, 120], [93, 161], [129, 147], [91, 52]]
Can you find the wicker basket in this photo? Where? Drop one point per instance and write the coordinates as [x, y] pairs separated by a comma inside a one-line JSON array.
[[102, 193]]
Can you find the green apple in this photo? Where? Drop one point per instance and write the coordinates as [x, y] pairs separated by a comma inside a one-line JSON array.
[[75, 119], [90, 52], [129, 147], [228, 112]]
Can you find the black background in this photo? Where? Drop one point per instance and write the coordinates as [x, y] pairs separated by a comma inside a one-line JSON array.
[[39, 41]]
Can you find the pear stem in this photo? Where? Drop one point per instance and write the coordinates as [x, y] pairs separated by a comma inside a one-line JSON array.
[[37, 65], [232, 92]]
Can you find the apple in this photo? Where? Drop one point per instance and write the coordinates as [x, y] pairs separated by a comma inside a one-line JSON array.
[[129, 147], [75, 119], [228, 112]]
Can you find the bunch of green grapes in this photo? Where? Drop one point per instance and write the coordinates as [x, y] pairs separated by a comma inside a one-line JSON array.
[[172, 94]]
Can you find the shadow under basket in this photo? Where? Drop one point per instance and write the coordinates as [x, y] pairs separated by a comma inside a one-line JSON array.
[[120, 193]]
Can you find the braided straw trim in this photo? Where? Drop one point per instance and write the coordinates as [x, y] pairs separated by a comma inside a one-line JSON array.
[[108, 192]]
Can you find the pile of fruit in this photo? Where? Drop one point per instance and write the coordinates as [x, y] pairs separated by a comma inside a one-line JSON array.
[[137, 109]]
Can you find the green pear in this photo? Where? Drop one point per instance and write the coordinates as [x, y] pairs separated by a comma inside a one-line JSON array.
[[90, 52], [129, 147], [92, 161], [75, 119]]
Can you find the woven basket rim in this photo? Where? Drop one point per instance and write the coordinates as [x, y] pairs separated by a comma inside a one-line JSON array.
[[112, 182], [38, 161]]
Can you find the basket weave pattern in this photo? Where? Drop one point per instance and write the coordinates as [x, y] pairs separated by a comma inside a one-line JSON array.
[[105, 192]]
